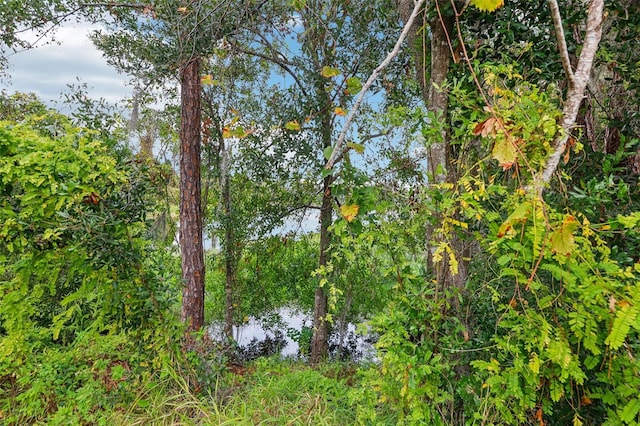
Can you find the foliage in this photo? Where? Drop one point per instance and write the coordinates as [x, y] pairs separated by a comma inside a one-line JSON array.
[[544, 331], [273, 272], [563, 321], [553, 320], [76, 268], [273, 392]]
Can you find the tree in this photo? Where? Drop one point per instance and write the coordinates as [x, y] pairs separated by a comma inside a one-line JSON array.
[[432, 57], [190, 198], [521, 130], [336, 49], [162, 39]]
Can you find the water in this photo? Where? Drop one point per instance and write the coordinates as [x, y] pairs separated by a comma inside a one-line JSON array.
[[287, 332]]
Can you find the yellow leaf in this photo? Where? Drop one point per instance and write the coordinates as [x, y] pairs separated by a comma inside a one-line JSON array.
[[505, 150], [292, 125], [349, 212], [339, 111], [487, 5], [206, 80], [519, 215], [453, 263], [562, 240], [328, 72], [182, 9]]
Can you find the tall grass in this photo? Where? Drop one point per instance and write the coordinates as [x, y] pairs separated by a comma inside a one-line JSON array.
[[266, 392]]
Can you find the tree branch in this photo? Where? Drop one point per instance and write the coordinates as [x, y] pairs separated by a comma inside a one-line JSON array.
[[281, 62], [339, 146], [562, 44], [346, 149], [575, 94], [139, 6]]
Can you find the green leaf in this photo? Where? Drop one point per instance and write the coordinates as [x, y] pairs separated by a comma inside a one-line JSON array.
[[630, 411], [521, 213], [298, 4], [327, 152], [629, 221], [293, 125], [556, 390], [353, 85], [357, 147], [625, 318]]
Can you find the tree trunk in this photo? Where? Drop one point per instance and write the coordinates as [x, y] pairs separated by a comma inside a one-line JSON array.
[[442, 160], [190, 199], [417, 40], [443, 168], [320, 340], [229, 245]]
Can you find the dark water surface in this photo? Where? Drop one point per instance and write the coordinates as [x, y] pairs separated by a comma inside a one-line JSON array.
[[288, 332]]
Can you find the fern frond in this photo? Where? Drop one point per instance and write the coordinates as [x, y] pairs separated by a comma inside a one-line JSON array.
[[625, 318]]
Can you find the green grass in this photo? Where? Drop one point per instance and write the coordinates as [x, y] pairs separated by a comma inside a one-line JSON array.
[[266, 392], [287, 393], [87, 388]]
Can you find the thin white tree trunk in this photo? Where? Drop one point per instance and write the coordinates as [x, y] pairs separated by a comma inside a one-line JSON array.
[[578, 80], [338, 149]]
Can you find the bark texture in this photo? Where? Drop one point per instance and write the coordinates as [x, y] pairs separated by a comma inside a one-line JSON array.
[[191, 247], [418, 41], [442, 160], [320, 341]]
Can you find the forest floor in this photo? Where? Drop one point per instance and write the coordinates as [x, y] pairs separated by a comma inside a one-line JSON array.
[[267, 391]]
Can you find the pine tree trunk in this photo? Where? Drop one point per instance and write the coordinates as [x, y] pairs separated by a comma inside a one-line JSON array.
[[191, 247]]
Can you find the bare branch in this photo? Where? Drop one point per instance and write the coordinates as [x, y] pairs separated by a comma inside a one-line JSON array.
[[562, 44], [346, 149], [575, 94], [139, 6], [339, 146], [279, 61]]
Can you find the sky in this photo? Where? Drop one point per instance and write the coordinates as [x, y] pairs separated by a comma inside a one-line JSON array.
[[48, 69]]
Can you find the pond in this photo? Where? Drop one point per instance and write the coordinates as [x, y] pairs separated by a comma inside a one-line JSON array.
[[287, 332]]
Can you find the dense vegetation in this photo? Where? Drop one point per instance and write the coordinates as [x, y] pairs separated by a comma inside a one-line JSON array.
[[480, 219]]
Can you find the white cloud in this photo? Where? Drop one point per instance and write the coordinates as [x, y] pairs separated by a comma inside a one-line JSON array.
[[47, 70]]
